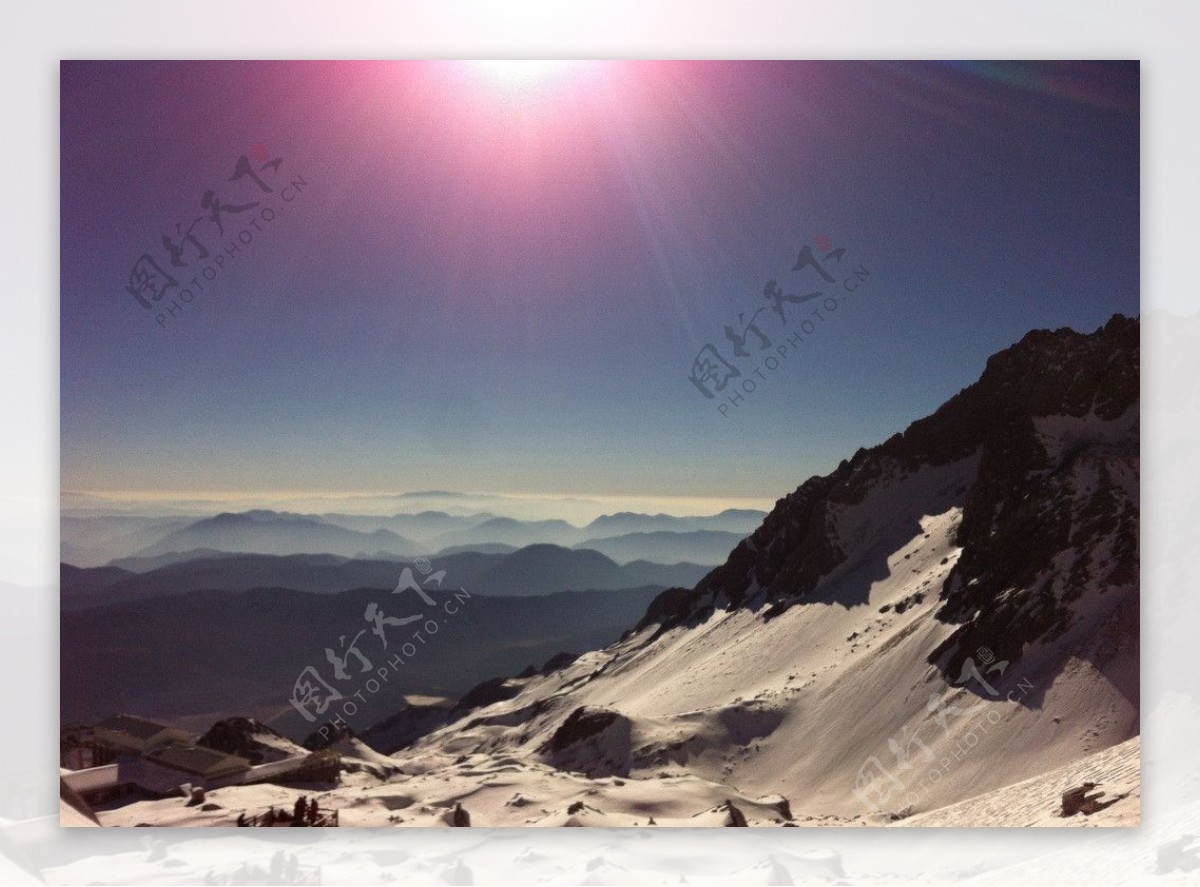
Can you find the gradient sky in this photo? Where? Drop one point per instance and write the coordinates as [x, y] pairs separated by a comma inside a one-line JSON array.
[[498, 284]]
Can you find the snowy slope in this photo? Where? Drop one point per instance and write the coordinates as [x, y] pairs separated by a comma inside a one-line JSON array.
[[945, 615], [742, 709], [1115, 772]]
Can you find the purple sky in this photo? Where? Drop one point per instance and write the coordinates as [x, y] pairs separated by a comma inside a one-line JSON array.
[[494, 284]]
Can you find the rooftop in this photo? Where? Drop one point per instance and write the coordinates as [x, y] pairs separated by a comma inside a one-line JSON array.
[[132, 725], [197, 759]]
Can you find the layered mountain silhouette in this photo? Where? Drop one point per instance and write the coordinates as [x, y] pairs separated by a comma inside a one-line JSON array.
[[143, 544], [274, 532], [667, 546], [534, 570], [739, 521]]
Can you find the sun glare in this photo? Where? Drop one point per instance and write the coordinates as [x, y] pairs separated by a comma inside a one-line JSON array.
[[521, 73]]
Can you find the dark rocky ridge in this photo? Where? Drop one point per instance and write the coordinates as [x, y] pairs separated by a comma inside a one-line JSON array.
[[1019, 512], [239, 736]]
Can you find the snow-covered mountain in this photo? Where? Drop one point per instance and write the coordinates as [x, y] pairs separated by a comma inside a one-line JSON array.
[[942, 631], [947, 613]]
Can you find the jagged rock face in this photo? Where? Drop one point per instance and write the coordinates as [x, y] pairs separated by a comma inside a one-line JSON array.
[[414, 721], [326, 735], [558, 661], [404, 727], [1052, 507], [490, 691], [1069, 527], [786, 555], [593, 740]]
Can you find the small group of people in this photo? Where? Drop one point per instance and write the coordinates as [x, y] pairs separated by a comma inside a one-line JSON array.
[[304, 812]]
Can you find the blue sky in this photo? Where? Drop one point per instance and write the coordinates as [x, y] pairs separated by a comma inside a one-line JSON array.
[[498, 283]]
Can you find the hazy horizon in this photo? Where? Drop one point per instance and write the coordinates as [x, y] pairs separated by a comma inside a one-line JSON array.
[[573, 509]]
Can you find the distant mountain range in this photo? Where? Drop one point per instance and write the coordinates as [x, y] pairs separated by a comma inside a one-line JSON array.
[[273, 532], [142, 544], [739, 521], [480, 548], [534, 570], [510, 531], [95, 541], [699, 546]]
